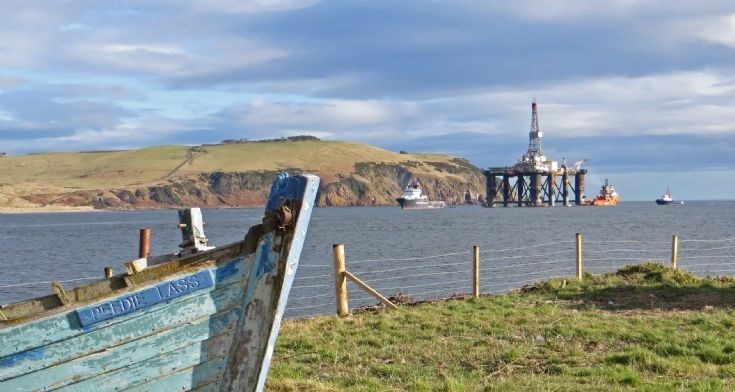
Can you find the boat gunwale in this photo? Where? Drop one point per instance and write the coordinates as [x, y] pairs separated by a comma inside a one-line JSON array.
[[50, 305]]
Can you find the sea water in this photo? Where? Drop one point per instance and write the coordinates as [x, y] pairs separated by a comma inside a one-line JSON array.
[[418, 253]]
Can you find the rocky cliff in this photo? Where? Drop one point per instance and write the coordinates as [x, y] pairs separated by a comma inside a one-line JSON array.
[[232, 174], [369, 184]]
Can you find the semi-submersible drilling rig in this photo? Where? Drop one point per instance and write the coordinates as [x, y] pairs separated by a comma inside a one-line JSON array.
[[534, 180]]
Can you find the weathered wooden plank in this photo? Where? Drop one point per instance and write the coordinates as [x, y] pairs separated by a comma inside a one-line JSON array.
[[211, 387], [40, 304], [158, 353], [123, 355], [150, 323], [153, 368], [186, 379], [137, 265], [60, 292], [18, 338], [266, 294], [166, 265], [370, 290], [145, 298]]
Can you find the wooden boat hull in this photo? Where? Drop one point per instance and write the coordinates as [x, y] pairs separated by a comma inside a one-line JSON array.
[[207, 321]]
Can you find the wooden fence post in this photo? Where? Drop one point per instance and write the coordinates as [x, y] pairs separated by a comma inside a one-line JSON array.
[[476, 271], [579, 256], [674, 251], [340, 280], [370, 290]]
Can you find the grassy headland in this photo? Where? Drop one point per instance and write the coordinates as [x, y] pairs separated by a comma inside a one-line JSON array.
[[233, 174], [642, 328]]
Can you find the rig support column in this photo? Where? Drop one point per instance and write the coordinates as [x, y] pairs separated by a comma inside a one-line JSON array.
[[552, 192], [506, 190], [565, 188], [536, 195], [579, 187], [492, 189], [519, 188]]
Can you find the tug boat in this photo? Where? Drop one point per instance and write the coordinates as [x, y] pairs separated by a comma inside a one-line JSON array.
[[412, 199], [667, 199], [606, 197]]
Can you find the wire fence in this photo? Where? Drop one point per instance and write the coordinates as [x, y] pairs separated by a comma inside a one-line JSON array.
[[450, 273], [446, 274]]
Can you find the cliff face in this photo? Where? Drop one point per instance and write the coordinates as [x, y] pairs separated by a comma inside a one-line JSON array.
[[381, 183], [367, 184]]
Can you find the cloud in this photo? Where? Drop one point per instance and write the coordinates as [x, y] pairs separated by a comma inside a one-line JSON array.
[[247, 7], [126, 133], [9, 82], [629, 84], [716, 29], [262, 117]]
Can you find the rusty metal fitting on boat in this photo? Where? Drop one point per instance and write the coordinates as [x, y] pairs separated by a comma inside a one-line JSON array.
[[283, 215]]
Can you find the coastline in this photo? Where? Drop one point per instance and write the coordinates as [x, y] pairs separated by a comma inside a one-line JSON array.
[[40, 210], [64, 209]]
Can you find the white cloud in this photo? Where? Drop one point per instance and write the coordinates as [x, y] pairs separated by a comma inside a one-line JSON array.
[[694, 103], [262, 114], [679, 103], [128, 133], [248, 6], [720, 30], [172, 60]]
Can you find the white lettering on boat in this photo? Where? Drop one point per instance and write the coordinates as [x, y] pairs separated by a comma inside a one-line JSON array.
[[159, 293]]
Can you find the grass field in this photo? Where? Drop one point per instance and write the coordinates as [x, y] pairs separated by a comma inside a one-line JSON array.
[[643, 328]]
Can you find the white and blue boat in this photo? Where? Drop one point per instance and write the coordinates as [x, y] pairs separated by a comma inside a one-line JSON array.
[[203, 319]]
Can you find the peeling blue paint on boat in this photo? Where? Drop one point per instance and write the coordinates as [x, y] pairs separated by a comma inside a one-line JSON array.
[[228, 270], [28, 355], [285, 188], [162, 292], [264, 263], [192, 338]]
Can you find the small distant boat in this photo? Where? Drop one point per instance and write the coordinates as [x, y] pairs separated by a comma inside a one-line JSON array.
[[607, 196], [204, 318], [412, 199], [667, 199]]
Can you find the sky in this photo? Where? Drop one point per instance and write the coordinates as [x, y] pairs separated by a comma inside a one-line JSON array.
[[645, 90]]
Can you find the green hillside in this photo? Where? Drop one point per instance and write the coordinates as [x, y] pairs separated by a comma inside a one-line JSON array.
[[68, 179]]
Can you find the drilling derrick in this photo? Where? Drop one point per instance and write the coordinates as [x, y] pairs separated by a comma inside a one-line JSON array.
[[534, 180], [534, 159], [535, 135]]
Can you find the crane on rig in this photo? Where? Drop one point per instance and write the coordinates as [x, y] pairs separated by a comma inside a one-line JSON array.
[[578, 164]]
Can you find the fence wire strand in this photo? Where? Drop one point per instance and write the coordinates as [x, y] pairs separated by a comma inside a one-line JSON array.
[[409, 258], [716, 240], [48, 282], [526, 264], [433, 278], [527, 256], [527, 247], [410, 267]]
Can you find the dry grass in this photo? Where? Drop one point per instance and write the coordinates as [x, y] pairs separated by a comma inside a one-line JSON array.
[[60, 173]]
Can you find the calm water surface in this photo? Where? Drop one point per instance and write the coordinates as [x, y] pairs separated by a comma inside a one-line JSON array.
[[418, 253]]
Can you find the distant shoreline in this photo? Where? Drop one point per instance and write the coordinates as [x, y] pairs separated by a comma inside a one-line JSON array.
[[57, 209], [40, 210]]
